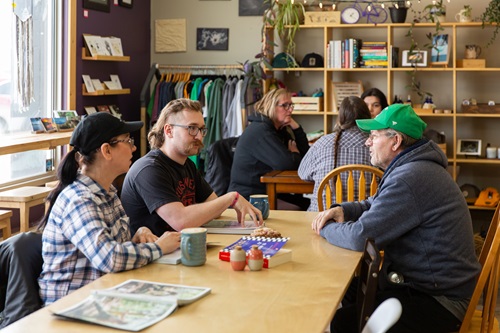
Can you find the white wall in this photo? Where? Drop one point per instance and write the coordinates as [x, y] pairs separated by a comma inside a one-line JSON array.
[[244, 31]]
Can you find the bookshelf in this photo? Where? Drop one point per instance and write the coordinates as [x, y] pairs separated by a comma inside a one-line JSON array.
[[449, 84]]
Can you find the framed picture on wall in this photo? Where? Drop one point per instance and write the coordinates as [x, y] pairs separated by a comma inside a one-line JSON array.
[[212, 39], [125, 3], [101, 5], [251, 7]]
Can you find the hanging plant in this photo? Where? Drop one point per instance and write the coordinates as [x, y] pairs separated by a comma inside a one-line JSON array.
[[491, 15], [285, 16]]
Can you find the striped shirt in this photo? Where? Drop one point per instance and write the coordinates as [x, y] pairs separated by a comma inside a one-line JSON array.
[[87, 235], [319, 160]]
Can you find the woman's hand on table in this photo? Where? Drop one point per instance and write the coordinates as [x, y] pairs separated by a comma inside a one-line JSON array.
[[169, 241], [144, 235], [336, 214]]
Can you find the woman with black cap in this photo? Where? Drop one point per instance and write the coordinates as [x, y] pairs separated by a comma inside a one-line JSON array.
[[86, 231]]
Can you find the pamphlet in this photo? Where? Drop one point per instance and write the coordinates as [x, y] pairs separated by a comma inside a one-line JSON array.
[[134, 304]]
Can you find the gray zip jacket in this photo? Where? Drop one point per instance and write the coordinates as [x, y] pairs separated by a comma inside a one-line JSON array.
[[420, 218]]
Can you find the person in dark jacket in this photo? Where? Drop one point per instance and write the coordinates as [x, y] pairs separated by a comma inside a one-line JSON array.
[[273, 141], [420, 218]]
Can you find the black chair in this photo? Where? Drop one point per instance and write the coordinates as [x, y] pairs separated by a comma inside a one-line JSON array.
[[219, 161], [20, 266], [368, 282]]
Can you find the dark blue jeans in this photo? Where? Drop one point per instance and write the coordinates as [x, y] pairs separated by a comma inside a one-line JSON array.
[[421, 313]]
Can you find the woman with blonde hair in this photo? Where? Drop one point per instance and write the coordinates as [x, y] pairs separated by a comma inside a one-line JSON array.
[[272, 141]]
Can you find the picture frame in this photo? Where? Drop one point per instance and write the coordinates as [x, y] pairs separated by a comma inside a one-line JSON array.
[[470, 147], [100, 5], [415, 58], [215, 39], [126, 3], [440, 51], [251, 7]]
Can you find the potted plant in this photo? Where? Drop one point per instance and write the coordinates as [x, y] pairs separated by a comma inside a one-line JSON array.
[[491, 15], [398, 11], [285, 16], [436, 11]]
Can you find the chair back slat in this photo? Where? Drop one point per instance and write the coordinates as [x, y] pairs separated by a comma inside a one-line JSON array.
[[333, 179], [487, 282], [362, 186]]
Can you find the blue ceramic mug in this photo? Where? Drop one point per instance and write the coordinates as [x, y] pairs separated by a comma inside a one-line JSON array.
[[261, 201], [193, 246]]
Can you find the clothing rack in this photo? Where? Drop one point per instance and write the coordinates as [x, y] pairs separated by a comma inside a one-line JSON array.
[[155, 72]]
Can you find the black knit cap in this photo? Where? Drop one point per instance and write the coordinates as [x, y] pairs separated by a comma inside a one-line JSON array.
[[98, 128]]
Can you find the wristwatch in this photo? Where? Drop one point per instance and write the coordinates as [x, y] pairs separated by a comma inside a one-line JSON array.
[[350, 15]]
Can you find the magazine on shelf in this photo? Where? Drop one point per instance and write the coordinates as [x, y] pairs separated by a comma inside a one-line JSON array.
[[272, 249], [133, 305], [230, 226], [63, 124], [49, 125], [36, 125]]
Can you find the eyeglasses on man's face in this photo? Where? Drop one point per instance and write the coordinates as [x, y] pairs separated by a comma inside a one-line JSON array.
[[287, 106], [130, 141], [193, 130], [375, 135]]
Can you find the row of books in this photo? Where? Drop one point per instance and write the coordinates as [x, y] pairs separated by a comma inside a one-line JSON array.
[[354, 53]]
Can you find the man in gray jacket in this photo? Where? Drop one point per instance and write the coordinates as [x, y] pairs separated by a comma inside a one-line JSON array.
[[419, 217]]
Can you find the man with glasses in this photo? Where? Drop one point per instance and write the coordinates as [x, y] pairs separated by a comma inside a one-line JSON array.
[[419, 217], [163, 190], [272, 141]]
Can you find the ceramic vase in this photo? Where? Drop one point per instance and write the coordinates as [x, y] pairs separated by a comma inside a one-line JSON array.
[[255, 258], [238, 259]]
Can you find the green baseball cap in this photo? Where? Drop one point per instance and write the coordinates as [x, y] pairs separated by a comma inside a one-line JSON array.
[[400, 117]]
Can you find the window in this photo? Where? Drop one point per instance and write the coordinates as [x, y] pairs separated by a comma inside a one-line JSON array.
[[46, 84]]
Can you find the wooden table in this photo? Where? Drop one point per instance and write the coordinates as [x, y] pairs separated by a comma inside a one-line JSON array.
[[284, 182], [299, 296], [11, 144]]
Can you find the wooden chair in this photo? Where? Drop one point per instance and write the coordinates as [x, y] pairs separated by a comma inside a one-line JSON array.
[[487, 284], [368, 282], [333, 180], [23, 198], [5, 226]]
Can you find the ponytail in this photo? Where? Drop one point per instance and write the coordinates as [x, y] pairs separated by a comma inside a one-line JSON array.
[[66, 174]]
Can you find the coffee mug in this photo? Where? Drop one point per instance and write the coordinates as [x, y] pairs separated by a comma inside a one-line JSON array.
[[472, 51], [193, 246], [261, 201]]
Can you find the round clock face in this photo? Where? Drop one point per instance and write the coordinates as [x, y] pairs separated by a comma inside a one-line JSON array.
[[350, 15]]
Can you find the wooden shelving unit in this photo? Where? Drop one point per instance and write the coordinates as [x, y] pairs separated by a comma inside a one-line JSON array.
[[449, 85], [105, 92], [86, 56]]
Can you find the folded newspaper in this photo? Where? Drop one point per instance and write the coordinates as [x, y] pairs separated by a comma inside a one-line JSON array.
[[133, 305]]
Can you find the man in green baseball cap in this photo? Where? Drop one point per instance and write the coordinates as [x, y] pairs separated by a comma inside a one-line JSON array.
[[419, 217], [400, 117]]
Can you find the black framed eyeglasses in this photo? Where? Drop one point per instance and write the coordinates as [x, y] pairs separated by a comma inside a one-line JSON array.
[[130, 141], [193, 130], [287, 106]]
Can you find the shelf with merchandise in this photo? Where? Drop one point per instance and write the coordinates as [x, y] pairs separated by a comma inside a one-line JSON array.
[[86, 56]]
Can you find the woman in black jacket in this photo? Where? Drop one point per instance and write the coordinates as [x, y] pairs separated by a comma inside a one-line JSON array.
[[273, 141]]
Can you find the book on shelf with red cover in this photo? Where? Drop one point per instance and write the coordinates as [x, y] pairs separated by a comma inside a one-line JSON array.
[[272, 250]]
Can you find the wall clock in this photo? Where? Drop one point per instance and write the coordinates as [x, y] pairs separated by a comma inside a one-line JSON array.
[[350, 15]]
